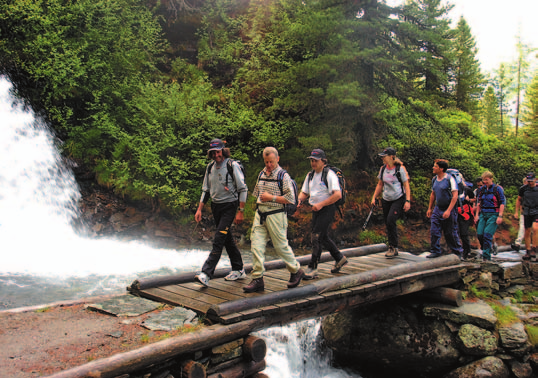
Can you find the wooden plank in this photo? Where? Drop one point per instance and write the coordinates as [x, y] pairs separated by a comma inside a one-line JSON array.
[[200, 296], [212, 290], [164, 296]]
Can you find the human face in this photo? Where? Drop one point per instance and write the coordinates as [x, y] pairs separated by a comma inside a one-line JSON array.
[[217, 156], [317, 165], [480, 184], [531, 183], [436, 169], [271, 162], [488, 181]]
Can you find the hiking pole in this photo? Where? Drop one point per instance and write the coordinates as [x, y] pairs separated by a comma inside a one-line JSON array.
[[369, 215]]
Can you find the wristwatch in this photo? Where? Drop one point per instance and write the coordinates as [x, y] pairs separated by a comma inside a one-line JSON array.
[[242, 209]]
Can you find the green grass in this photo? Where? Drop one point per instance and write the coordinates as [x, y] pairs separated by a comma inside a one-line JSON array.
[[505, 315], [371, 237], [532, 332]]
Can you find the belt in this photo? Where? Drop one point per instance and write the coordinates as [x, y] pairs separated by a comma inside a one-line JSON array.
[[263, 216]]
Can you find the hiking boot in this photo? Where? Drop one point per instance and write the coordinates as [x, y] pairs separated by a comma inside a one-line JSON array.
[[392, 252], [434, 255], [515, 247], [236, 275], [255, 285], [533, 254], [202, 278], [526, 256], [295, 279], [310, 273], [339, 264]]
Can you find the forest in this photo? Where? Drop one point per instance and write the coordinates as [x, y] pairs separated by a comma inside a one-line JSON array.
[[135, 90]]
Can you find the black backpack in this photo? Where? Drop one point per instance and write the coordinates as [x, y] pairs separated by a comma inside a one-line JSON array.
[[229, 166], [289, 208], [341, 181]]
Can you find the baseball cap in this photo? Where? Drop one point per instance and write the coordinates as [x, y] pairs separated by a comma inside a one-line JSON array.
[[216, 145], [531, 176], [388, 151], [317, 154]]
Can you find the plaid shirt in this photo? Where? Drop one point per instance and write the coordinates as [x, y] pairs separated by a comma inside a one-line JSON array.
[[272, 188]]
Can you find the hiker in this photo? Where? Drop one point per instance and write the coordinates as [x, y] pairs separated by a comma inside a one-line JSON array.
[[322, 189], [528, 197], [443, 216], [516, 246], [466, 219], [490, 201], [393, 182], [271, 222], [227, 194]]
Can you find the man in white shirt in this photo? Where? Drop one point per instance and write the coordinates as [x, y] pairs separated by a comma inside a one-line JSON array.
[[322, 189]]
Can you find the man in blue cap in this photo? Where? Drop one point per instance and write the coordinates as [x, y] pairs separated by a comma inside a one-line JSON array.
[[322, 189], [228, 195]]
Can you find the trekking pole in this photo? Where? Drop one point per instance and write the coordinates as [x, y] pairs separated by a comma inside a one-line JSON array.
[[369, 215]]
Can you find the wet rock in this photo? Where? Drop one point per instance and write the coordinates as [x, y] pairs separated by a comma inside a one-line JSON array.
[[488, 367]]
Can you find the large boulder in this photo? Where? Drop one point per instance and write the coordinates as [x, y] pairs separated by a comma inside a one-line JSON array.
[[389, 337]]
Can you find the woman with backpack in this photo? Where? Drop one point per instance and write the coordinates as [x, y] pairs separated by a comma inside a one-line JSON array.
[[393, 181], [490, 201]]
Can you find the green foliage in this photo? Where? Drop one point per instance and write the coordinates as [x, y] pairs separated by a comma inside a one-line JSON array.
[[504, 314], [284, 73], [371, 237], [532, 332]]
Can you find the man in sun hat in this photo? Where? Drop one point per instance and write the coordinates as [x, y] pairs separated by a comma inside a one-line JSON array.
[[322, 189], [528, 197], [224, 183]]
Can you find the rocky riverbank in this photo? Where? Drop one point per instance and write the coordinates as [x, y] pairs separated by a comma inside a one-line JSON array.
[[494, 334]]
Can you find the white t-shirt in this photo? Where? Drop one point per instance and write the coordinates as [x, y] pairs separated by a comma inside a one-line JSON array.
[[316, 188]]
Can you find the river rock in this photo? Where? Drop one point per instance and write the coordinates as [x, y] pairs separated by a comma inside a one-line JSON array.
[[514, 337], [488, 367], [477, 312], [477, 341], [392, 338]]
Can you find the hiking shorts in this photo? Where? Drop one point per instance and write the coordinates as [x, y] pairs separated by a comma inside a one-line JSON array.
[[530, 219]]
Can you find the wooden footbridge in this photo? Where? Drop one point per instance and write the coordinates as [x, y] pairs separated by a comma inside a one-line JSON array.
[[368, 277]]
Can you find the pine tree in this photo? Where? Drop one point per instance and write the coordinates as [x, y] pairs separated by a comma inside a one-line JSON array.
[[489, 115], [529, 114], [467, 76], [427, 35]]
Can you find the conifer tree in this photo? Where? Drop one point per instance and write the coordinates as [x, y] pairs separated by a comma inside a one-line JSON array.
[[427, 35], [489, 115], [467, 76], [529, 114]]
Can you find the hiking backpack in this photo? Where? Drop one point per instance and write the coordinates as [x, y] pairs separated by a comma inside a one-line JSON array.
[[229, 166], [289, 208], [495, 193], [460, 183], [341, 182]]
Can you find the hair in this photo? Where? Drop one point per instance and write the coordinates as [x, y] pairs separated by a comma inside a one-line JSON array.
[[442, 163], [270, 151], [487, 174], [524, 181], [479, 179], [225, 153]]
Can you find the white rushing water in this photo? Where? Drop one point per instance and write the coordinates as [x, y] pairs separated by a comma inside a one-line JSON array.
[[44, 260]]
